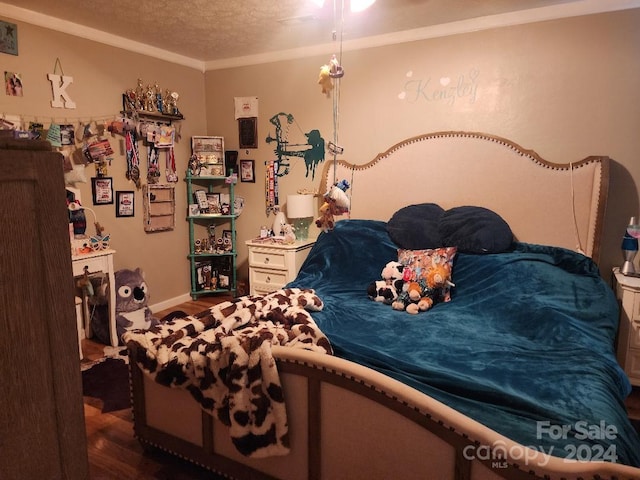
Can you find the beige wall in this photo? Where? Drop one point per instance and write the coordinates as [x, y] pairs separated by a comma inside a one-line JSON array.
[[100, 75], [566, 88]]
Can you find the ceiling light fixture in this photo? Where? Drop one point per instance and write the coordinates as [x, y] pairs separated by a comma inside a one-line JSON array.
[[355, 5], [360, 5]]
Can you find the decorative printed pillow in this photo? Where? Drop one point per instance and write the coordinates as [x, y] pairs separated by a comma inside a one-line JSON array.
[[416, 226], [431, 268]]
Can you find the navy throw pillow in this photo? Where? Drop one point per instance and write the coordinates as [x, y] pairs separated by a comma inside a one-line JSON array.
[[475, 230], [415, 227]]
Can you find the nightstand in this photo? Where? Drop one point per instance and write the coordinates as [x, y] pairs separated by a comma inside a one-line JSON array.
[[628, 293], [273, 265]]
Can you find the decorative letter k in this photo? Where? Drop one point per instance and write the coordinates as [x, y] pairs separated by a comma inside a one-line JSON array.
[[59, 85]]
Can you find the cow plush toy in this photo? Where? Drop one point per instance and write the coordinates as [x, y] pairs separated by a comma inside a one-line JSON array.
[[387, 289]]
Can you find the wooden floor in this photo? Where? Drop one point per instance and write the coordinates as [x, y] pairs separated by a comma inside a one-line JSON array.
[[115, 454]]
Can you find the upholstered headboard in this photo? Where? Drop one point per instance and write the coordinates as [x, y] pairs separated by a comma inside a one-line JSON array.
[[543, 202]]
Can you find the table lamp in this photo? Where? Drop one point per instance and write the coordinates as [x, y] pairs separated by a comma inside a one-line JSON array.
[[630, 246], [300, 212]]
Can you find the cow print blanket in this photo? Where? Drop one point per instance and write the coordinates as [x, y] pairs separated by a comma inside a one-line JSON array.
[[223, 357]]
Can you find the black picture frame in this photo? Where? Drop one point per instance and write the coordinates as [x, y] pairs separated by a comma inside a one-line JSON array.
[[248, 171], [125, 203], [248, 132], [102, 190]]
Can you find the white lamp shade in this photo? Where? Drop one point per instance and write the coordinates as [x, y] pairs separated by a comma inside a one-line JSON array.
[[300, 206]]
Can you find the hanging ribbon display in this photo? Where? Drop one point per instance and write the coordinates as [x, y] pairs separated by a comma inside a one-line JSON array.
[[170, 171], [271, 186], [153, 165], [133, 157]]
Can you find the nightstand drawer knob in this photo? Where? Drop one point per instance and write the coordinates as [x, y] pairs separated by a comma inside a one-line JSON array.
[[266, 260], [268, 279]]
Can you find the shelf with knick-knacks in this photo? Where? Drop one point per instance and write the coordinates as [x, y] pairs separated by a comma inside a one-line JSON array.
[[212, 214], [151, 102]]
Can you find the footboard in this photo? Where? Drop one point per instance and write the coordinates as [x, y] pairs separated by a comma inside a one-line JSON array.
[[348, 421]]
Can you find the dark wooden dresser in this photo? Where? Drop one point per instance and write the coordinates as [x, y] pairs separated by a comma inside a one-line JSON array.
[[42, 430]]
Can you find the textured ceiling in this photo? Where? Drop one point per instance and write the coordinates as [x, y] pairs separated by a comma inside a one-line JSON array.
[[211, 30]]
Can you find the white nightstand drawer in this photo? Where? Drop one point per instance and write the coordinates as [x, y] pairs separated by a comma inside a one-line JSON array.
[[267, 280], [95, 264], [264, 257]]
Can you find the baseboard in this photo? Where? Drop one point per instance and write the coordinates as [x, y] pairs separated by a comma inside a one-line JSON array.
[[172, 302]]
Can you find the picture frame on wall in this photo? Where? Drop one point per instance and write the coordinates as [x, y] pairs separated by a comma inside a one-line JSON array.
[[125, 203], [102, 190], [209, 153], [248, 132], [248, 171], [8, 38]]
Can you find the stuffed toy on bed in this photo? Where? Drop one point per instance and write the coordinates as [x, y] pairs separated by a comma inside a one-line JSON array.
[[387, 289], [132, 298], [420, 296]]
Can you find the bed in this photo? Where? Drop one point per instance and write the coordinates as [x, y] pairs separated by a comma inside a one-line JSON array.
[[514, 377]]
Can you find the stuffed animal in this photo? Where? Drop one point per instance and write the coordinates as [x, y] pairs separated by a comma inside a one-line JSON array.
[[132, 298], [410, 294], [336, 202], [289, 234], [430, 289], [387, 289], [324, 79]]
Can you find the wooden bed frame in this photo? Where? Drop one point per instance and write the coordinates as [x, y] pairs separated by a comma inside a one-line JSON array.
[[347, 421]]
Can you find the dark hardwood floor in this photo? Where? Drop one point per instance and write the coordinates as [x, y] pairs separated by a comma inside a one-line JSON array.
[[114, 453]]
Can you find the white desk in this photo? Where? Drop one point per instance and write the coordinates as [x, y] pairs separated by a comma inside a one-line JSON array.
[[100, 261]]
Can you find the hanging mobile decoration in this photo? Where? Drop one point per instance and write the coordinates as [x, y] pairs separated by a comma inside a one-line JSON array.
[[336, 200], [170, 171], [133, 157]]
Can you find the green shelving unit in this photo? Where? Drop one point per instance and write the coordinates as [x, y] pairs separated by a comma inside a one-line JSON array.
[[222, 276]]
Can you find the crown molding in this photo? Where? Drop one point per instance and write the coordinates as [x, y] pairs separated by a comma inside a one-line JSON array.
[[77, 30], [541, 14]]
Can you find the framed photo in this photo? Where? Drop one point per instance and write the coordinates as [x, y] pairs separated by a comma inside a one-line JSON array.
[[8, 38], [248, 132], [125, 203], [216, 170], [102, 190], [247, 171], [200, 197], [227, 240], [208, 151], [213, 199], [194, 210]]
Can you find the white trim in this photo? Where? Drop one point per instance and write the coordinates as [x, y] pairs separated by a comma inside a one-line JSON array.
[[552, 12], [170, 303]]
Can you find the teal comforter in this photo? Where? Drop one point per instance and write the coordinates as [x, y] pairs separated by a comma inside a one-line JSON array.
[[526, 345]]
